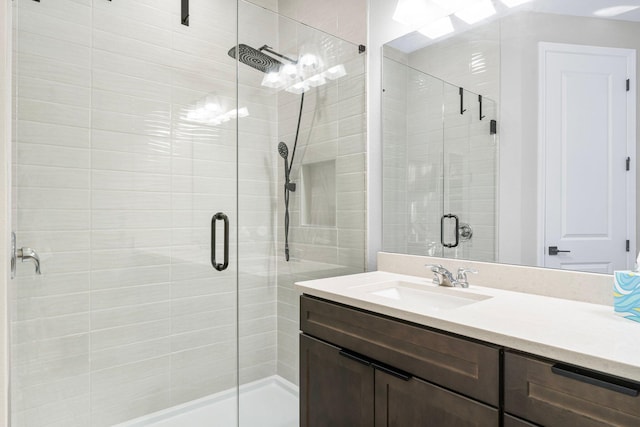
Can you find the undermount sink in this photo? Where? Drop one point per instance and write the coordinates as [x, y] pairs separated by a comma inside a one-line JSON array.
[[417, 296]]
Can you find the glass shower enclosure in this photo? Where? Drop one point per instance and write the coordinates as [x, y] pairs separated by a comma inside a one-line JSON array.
[[147, 178], [439, 165]]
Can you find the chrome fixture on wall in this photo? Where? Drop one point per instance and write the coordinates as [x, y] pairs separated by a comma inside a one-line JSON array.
[[24, 254]]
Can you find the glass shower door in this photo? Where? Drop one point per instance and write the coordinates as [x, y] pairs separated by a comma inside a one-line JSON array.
[[413, 162], [125, 148], [470, 165]]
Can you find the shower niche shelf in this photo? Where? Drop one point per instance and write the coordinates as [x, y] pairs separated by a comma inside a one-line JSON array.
[[319, 194]]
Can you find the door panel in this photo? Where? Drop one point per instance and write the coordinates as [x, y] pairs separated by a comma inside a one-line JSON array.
[[115, 186], [585, 104], [470, 153], [415, 402], [335, 390]]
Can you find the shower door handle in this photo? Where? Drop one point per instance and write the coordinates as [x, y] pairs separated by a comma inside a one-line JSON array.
[[457, 230], [220, 266]]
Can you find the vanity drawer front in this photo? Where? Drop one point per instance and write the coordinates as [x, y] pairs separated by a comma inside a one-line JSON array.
[[510, 421], [535, 392], [467, 367]]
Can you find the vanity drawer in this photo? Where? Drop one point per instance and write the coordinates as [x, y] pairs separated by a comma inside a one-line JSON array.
[[510, 421], [559, 395], [465, 366]]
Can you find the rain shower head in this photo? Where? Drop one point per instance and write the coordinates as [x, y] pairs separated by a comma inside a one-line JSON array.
[[254, 58], [283, 150]]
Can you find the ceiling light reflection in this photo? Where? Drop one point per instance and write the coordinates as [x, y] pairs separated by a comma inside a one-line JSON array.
[[439, 28], [477, 12], [609, 12], [417, 13], [514, 3]]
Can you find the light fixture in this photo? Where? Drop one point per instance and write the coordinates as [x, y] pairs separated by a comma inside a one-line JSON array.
[[417, 13], [290, 70], [438, 28], [274, 79], [317, 80], [299, 87], [309, 60], [514, 3], [476, 12], [608, 12], [335, 72]]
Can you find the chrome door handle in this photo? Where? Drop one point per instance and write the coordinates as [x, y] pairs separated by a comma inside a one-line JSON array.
[[24, 254]]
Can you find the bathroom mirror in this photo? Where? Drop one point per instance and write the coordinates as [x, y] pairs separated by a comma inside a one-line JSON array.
[[547, 183]]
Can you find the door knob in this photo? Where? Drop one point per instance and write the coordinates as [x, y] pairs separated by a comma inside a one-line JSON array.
[[24, 254], [553, 250]]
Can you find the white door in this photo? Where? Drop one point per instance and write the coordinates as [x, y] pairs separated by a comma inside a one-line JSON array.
[[587, 133]]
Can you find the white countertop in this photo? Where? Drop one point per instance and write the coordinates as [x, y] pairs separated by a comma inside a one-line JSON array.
[[588, 335]]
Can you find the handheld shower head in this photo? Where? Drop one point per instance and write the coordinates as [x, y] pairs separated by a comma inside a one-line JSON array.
[[283, 150]]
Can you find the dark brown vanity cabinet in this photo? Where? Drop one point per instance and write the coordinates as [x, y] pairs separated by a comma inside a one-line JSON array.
[[554, 394], [362, 369], [338, 390], [414, 402]]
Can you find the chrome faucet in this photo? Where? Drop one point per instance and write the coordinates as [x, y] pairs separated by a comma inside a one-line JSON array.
[[461, 277], [443, 277]]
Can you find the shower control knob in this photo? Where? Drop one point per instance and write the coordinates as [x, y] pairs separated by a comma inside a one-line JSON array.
[[23, 254]]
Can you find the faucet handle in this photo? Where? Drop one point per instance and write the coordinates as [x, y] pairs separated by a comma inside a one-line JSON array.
[[436, 268], [462, 273], [438, 279]]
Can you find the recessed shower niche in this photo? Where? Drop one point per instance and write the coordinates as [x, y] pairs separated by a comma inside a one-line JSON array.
[[319, 194]]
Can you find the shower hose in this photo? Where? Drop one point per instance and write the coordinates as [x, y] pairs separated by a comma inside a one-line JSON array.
[[287, 187]]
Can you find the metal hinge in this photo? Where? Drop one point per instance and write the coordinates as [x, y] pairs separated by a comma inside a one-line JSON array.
[[627, 246], [628, 163], [628, 85]]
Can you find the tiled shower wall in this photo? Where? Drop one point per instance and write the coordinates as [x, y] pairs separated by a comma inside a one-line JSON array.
[[116, 189], [332, 140]]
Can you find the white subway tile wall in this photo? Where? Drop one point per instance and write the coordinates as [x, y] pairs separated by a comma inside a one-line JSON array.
[[116, 186]]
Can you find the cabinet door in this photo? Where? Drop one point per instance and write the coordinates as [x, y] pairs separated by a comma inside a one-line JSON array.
[[539, 391], [510, 421], [413, 402], [335, 390]]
